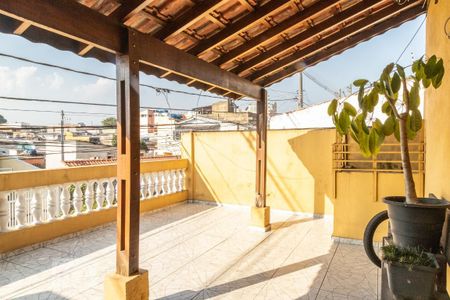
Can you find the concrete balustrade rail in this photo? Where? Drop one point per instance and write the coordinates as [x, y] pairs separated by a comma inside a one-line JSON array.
[[39, 205]]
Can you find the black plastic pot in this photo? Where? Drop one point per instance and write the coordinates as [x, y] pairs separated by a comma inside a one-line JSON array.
[[411, 282], [417, 224]]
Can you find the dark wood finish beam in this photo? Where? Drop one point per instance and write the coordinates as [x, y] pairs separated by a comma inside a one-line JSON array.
[[69, 19], [157, 53], [350, 42], [261, 149], [238, 26], [128, 160], [22, 27], [372, 19], [187, 19], [308, 34], [274, 32]]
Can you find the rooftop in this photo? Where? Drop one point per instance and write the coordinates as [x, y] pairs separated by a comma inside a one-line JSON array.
[[198, 251]]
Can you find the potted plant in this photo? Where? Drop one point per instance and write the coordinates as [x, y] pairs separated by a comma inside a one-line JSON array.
[[414, 221], [411, 272]]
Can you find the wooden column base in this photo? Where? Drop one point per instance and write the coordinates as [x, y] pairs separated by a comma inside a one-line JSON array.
[[260, 218], [119, 287]]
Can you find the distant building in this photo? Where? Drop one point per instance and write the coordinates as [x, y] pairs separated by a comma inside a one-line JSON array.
[[75, 150], [158, 129]]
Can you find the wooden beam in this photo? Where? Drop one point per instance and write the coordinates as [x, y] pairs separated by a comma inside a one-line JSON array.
[[352, 41], [275, 31], [85, 50], [22, 27], [69, 19], [306, 35], [188, 18], [372, 19], [261, 149], [157, 53], [128, 160], [129, 8], [238, 26]]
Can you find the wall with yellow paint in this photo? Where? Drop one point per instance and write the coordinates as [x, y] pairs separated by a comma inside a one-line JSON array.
[[437, 107], [299, 174], [356, 203]]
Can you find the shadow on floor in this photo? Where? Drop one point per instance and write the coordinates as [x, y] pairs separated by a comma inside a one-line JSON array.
[[41, 295], [284, 224], [224, 288]]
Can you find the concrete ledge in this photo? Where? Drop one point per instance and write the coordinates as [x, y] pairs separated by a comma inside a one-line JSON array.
[[260, 218], [119, 287], [31, 235]]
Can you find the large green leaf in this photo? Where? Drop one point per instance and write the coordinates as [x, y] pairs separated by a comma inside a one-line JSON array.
[[395, 83], [386, 108], [332, 107], [373, 142], [350, 109], [430, 66], [401, 71], [426, 82], [360, 82], [364, 144], [361, 96], [389, 126], [378, 126], [415, 120], [344, 121], [414, 96]]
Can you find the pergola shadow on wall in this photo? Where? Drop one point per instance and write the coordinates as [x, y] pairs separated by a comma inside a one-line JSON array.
[[233, 48]]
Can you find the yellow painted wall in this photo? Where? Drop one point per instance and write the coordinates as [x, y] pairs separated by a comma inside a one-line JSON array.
[[299, 174], [437, 107], [356, 203]]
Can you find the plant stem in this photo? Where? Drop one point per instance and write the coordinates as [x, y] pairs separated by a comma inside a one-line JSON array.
[[410, 188]]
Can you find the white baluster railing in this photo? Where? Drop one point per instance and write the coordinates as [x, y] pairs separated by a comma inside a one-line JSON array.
[[42, 204]]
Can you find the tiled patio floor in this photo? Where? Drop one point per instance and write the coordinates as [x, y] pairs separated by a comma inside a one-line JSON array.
[[198, 251]]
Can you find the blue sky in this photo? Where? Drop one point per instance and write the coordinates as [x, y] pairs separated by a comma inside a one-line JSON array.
[[22, 79]]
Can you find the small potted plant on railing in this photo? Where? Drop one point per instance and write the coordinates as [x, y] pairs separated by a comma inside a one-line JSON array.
[[414, 221], [411, 272]]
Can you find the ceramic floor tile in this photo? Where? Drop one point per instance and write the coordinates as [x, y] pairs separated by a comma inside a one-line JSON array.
[[196, 251], [11, 272]]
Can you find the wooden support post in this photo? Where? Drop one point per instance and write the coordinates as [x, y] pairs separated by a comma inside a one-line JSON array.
[[261, 149], [260, 213], [128, 165]]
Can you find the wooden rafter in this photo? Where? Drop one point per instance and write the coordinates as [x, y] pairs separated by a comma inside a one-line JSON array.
[[275, 31], [187, 19], [350, 42], [372, 19], [306, 35], [239, 26], [22, 27]]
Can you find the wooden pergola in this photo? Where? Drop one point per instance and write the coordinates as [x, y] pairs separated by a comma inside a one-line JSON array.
[[233, 48]]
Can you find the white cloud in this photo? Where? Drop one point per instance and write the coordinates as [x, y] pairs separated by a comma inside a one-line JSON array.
[[54, 81], [101, 90], [15, 80]]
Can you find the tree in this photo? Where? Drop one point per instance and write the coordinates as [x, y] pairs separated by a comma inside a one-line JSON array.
[[143, 145], [110, 122], [2, 120], [404, 119]]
